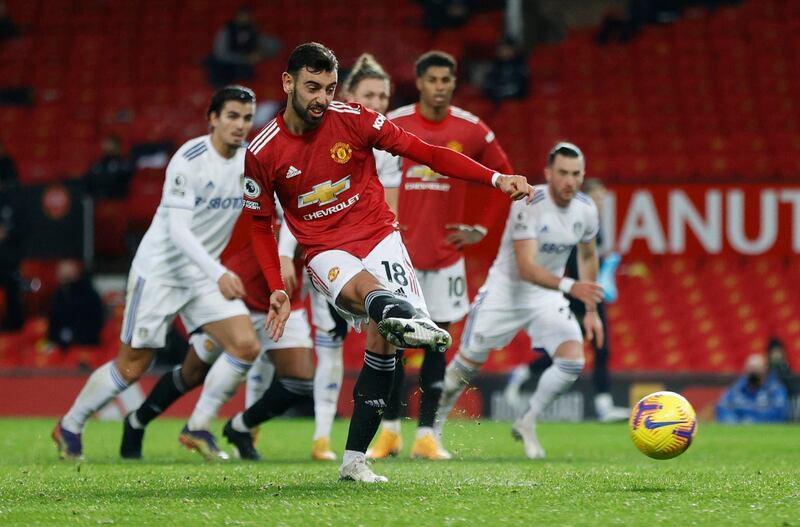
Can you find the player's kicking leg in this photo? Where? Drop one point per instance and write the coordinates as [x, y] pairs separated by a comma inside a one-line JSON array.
[[368, 288], [168, 389], [237, 337]]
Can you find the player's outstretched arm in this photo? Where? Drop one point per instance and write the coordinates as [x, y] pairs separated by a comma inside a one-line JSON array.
[[446, 161], [266, 248]]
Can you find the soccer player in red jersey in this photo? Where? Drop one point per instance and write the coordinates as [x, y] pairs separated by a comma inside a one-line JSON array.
[[367, 84], [431, 216], [334, 205]]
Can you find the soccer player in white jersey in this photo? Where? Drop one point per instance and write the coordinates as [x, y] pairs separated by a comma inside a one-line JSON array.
[[176, 269], [523, 291], [367, 84]]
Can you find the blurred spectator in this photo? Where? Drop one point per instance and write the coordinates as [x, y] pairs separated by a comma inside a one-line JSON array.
[[756, 397], [446, 14], [238, 47], [776, 359], [508, 76], [8, 29], [109, 176], [11, 244], [76, 311], [8, 170]]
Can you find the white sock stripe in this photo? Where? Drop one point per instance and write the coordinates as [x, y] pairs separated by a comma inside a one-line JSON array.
[[376, 294], [386, 359], [177, 380], [570, 367], [297, 386], [116, 377], [380, 364], [240, 365]]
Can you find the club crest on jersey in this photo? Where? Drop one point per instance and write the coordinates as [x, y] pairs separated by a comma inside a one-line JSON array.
[[341, 153], [324, 193], [577, 228], [456, 146], [333, 274], [252, 189]]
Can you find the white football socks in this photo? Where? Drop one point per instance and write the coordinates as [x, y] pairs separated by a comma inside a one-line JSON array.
[[103, 385], [222, 381], [259, 378], [555, 380], [327, 382], [457, 377]]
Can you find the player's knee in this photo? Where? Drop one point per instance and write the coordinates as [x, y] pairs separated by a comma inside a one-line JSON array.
[[132, 371], [570, 367], [245, 348]]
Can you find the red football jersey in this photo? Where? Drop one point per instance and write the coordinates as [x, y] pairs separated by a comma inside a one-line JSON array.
[[239, 257], [428, 200], [326, 178]]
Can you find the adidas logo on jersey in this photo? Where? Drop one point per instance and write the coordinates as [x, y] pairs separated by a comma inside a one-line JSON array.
[[400, 292], [210, 185], [292, 172]]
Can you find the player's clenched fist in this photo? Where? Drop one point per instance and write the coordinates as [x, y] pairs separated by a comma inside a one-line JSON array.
[[516, 187], [230, 285]]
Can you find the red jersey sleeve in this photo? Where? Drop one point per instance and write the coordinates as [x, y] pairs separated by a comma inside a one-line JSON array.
[[494, 157], [259, 201], [266, 248], [383, 134], [259, 197]]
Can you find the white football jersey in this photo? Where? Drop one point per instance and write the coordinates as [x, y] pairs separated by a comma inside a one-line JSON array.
[[556, 229], [389, 168], [199, 179]]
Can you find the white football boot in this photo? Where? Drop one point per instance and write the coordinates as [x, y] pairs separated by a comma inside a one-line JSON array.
[[415, 333], [358, 470], [525, 429]]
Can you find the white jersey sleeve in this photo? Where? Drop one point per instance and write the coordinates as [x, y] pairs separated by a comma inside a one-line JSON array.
[[389, 167], [201, 200], [592, 219], [522, 221], [179, 184]]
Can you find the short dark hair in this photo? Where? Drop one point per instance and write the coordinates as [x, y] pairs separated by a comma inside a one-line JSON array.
[[435, 58], [229, 93], [366, 67], [563, 149], [312, 56]]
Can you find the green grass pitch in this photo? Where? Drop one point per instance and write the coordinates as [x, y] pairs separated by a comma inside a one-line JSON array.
[[747, 475]]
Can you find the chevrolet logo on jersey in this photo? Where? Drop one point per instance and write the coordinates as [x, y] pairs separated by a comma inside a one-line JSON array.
[[324, 193], [424, 173]]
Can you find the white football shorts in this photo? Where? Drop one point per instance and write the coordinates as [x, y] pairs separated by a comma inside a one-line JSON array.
[[495, 318], [389, 262], [445, 292], [151, 307]]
